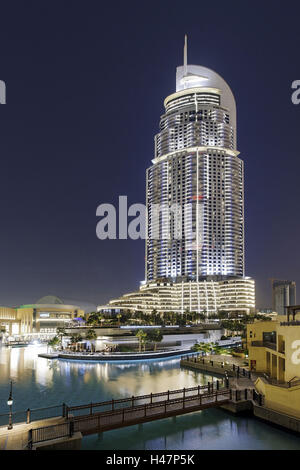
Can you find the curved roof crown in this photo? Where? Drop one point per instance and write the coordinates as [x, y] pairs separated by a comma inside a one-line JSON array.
[[49, 299], [197, 76]]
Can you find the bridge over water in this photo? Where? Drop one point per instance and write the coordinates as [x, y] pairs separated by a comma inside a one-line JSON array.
[[105, 416]]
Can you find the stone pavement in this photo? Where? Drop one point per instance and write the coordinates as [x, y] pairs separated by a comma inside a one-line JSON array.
[[17, 438]]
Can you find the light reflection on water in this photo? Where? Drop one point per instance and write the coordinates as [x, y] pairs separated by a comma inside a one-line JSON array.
[[39, 382]]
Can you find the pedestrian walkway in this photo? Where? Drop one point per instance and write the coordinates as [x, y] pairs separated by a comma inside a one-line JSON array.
[[17, 438]]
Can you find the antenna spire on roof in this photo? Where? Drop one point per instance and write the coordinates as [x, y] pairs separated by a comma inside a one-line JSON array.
[[185, 55]]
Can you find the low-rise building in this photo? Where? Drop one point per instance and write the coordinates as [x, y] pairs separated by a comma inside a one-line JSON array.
[[45, 316], [274, 353]]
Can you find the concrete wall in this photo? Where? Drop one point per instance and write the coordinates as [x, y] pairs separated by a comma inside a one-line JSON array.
[[277, 418], [70, 443], [281, 399]]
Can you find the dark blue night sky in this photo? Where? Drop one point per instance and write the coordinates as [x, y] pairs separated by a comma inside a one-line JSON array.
[[85, 88]]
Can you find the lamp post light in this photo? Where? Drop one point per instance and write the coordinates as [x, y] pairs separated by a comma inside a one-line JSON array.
[[10, 404]]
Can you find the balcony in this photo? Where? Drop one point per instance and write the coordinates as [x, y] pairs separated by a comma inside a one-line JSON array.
[[290, 323], [264, 344]]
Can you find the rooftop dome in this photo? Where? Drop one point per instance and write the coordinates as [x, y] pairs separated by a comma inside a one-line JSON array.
[[50, 299]]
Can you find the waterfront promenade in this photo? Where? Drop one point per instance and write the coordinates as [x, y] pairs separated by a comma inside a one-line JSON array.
[[17, 438], [65, 431]]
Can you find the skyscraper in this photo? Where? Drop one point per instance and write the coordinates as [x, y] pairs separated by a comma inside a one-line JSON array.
[[284, 295], [195, 260], [196, 163]]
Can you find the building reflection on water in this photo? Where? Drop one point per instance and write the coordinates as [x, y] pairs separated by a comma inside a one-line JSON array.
[[39, 382]]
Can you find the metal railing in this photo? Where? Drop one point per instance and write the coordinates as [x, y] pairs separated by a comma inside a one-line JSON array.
[[290, 323], [264, 344], [227, 367], [279, 383], [49, 433], [128, 416], [35, 414], [112, 405], [94, 421]]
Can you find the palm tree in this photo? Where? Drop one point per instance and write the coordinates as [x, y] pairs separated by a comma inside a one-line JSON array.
[[203, 347], [119, 316], [155, 336], [2, 331], [54, 342], [219, 350], [61, 332], [76, 338], [141, 335], [91, 336]]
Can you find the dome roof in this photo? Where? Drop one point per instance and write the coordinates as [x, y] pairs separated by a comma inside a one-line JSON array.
[[49, 299]]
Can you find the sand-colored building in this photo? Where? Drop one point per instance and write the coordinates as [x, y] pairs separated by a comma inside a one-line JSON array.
[[45, 316], [274, 353]]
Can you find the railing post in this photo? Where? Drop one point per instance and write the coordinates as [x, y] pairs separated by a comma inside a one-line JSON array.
[[30, 439], [123, 415], [200, 399], [151, 400], [218, 385], [184, 393], [132, 401], [230, 394], [168, 395], [165, 406], [208, 387], [198, 389], [246, 394], [71, 428], [216, 395], [226, 381], [145, 410], [112, 404], [91, 408], [28, 416]]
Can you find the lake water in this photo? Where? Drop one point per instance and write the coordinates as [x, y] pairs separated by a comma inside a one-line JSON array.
[[40, 382]]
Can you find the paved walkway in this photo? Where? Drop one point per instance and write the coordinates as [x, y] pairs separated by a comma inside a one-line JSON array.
[[238, 361], [242, 382], [17, 438]]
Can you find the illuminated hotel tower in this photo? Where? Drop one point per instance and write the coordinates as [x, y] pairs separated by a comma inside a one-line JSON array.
[[196, 167], [196, 162]]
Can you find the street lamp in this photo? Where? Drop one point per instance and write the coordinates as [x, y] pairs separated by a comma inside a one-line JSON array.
[[10, 403]]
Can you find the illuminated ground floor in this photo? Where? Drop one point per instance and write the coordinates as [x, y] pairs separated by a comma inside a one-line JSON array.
[[44, 317], [207, 296]]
